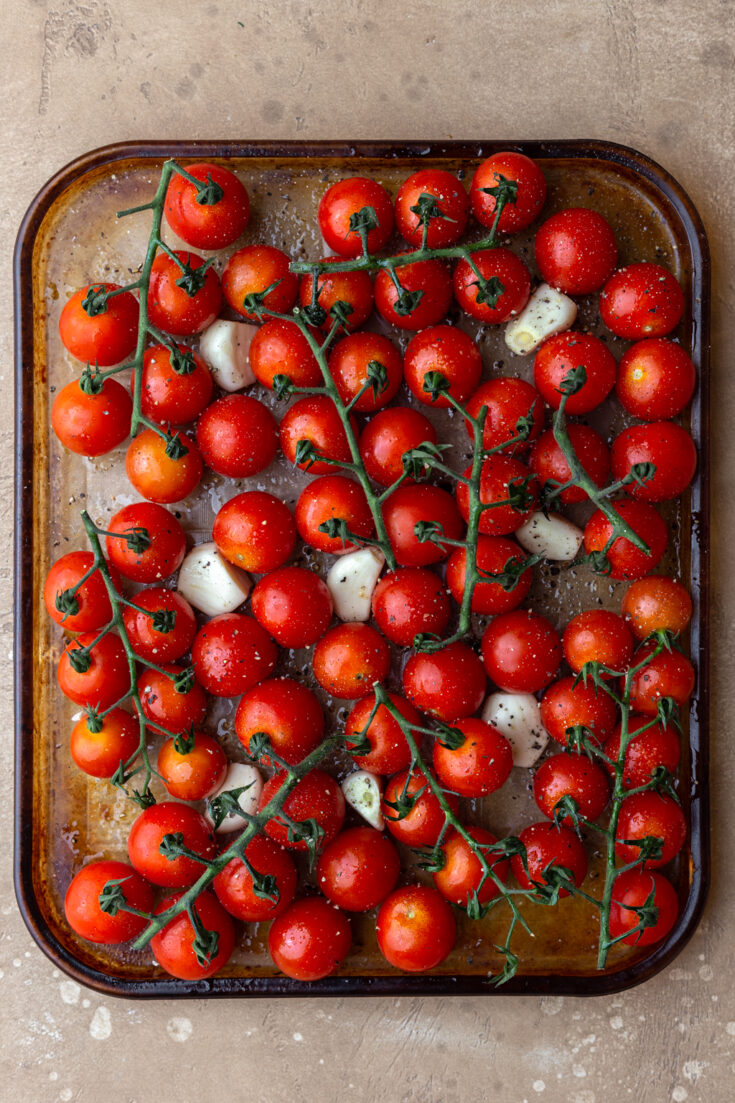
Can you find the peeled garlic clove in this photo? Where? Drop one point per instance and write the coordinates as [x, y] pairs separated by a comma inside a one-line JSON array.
[[518, 717], [553, 537], [239, 775], [225, 348], [362, 792], [351, 582], [210, 583], [547, 312]]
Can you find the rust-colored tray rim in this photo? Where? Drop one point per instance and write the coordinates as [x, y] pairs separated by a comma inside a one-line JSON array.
[[603, 983]]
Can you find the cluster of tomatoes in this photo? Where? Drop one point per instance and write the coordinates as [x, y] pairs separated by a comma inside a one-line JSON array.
[[235, 655]]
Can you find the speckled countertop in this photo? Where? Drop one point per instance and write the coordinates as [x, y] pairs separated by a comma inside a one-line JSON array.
[[655, 75]]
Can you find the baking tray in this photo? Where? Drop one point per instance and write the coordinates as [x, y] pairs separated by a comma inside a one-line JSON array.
[[69, 236]]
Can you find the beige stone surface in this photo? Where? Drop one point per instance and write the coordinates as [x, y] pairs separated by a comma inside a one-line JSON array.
[[656, 75]]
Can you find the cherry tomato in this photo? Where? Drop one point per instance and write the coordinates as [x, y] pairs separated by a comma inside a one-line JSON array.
[[182, 302], [92, 601], [82, 905], [416, 929], [530, 195], [453, 354], [92, 424], [333, 498], [100, 753], [353, 288], [625, 560], [173, 945], [150, 642], [316, 797], [287, 712], [549, 464], [669, 674], [156, 475], [193, 774], [656, 379], [255, 531], [280, 348], [521, 651], [350, 363], [345, 199], [389, 751], [480, 765], [424, 822], [449, 683], [431, 278], [567, 705], [559, 355], [253, 270], [449, 197], [177, 710], [386, 438], [409, 506], [571, 775], [631, 890], [107, 677], [668, 447], [409, 601], [492, 556], [350, 659], [508, 290], [598, 636], [656, 604], [641, 300], [314, 418], [655, 747], [576, 251], [649, 814], [237, 436], [231, 654], [506, 400], [547, 844], [106, 335], [171, 393], [235, 888], [462, 875], [147, 833], [197, 217], [294, 606], [165, 548], [507, 485], [310, 939], [358, 869]]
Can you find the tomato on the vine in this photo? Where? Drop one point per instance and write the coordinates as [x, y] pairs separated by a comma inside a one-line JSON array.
[[174, 944], [416, 928], [479, 765], [429, 280], [181, 299], [450, 201], [108, 332], [93, 608], [569, 704], [328, 500], [314, 419], [310, 939], [287, 712], [317, 796], [507, 401], [507, 487], [237, 436], [235, 887], [624, 559], [656, 604], [255, 531], [148, 832], [649, 815], [646, 752], [562, 354], [82, 905], [358, 359], [424, 506], [294, 605], [159, 476], [409, 601], [175, 703], [461, 876], [641, 300], [358, 869], [494, 555], [573, 776], [254, 269], [633, 889], [350, 659], [389, 750], [100, 753], [576, 250], [201, 219], [343, 200], [492, 285], [668, 674], [656, 379], [549, 464], [598, 636], [667, 447], [355, 289], [521, 651], [175, 619], [517, 169], [155, 556], [92, 424], [194, 773], [231, 654], [105, 678], [546, 844], [422, 824], [453, 354], [387, 437], [449, 683], [175, 385]]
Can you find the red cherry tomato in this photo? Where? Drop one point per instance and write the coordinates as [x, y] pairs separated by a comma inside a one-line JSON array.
[[453, 354], [343, 200], [156, 475], [449, 683], [310, 939], [506, 400], [649, 814], [386, 438], [234, 885], [449, 197], [316, 797], [656, 604], [254, 269], [173, 945], [508, 290], [598, 636], [82, 905], [416, 929], [315, 419], [429, 277], [231, 654], [165, 542], [287, 712], [521, 651], [294, 605], [576, 251], [333, 498], [492, 556], [655, 747], [624, 559], [632, 890], [506, 484], [547, 844], [106, 335], [148, 640], [389, 751], [669, 674], [187, 307], [549, 464], [656, 379], [177, 710], [668, 447], [568, 704], [93, 609], [174, 389], [203, 220], [409, 601], [350, 366], [409, 506], [92, 424], [280, 348], [353, 288], [358, 869], [423, 824], [350, 659], [642, 300], [571, 775], [480, 765], [237, 436], [255, 531], [106, 678], [560, 355], [100, 753], [196, 773], [462, 874], [147, 834], [529, 198]]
